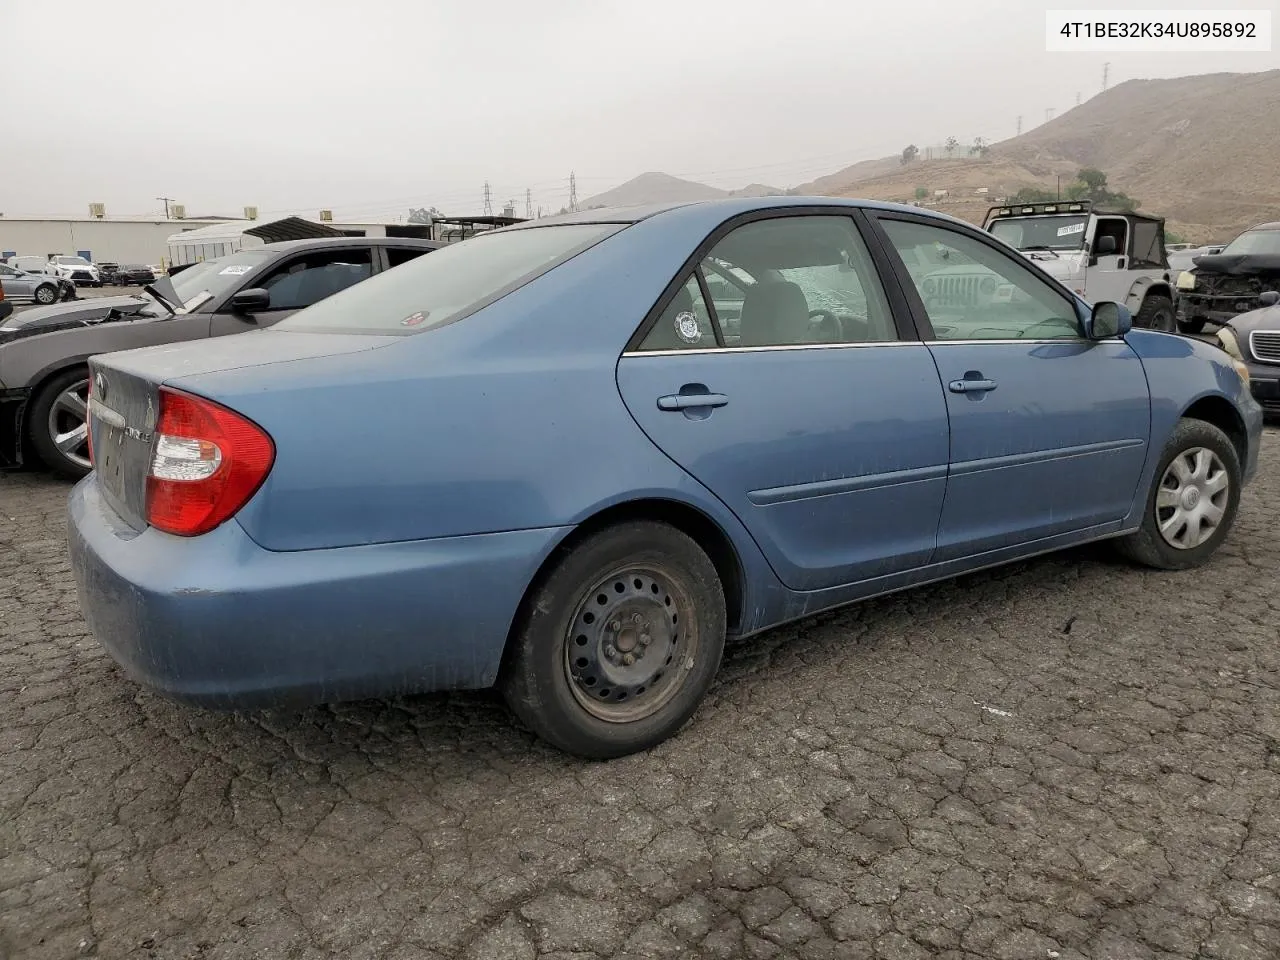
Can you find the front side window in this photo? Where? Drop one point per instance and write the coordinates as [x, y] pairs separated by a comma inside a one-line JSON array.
[[307, 280], [985, 295], [454, 281], [788, 281]]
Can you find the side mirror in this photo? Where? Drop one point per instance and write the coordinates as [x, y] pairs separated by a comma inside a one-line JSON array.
[[1269, 298], [1106, 247], [253, 300], [1109, 319]]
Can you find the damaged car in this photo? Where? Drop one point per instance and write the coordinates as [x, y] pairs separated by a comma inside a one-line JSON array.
[[45, 351], [1253, 338], [1222, 286]]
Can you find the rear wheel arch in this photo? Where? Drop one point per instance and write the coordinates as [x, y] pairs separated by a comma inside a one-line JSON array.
[[691, 521], [1220, 412]]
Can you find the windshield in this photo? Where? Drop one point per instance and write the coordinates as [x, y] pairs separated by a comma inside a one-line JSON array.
[[1041, 233], [448, 283], [1255, 242], [213, 278], [73, 261]]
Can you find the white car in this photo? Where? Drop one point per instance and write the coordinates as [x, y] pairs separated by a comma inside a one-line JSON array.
[[76, 269]]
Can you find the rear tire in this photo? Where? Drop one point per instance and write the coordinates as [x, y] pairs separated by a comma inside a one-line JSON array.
[[1192, 502], [57, 425], [1156, 313], [46, 294], [618, 643]]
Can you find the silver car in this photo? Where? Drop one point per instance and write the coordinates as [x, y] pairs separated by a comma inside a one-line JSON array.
[[22, 287]]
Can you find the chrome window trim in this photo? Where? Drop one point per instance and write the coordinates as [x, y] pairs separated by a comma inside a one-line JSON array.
[[943, 343], [678, 352]]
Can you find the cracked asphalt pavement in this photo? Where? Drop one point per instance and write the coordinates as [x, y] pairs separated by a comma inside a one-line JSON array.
[[1067, 758]]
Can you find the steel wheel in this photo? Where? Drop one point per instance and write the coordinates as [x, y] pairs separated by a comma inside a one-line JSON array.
[[68, 423], [625, 655], [1192, 498]]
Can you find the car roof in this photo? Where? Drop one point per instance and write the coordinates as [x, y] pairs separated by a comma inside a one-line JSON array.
[[1273, 225], [730, 206], [321, 243]]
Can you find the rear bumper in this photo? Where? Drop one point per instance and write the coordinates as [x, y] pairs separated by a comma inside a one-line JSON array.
[[6, 308], [218, 621]]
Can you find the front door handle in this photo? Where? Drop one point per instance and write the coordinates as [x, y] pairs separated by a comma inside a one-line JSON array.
[[971, 386], [687, 401]]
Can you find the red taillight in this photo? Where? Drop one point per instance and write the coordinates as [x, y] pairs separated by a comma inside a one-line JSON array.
[[88, 422], [206, 462]]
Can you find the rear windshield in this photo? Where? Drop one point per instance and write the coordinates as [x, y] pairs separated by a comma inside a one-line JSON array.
[[449, 282]]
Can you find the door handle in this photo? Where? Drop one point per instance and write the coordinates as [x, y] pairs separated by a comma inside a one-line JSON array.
[[686, 401], [971, 386]]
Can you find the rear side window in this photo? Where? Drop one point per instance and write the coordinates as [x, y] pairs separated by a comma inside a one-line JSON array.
[[454, 281]]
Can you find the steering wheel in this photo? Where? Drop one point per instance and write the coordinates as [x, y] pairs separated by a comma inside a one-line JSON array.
[[828, 325]]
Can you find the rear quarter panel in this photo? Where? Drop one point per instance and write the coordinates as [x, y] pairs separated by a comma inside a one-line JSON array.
[[1180, 371]]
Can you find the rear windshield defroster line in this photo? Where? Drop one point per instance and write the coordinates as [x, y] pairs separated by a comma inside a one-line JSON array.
[[449, 283]]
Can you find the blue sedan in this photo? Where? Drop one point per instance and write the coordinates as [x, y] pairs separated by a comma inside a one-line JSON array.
[[572, 457]]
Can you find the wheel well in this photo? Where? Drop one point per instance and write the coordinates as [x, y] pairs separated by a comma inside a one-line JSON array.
[[688, 520], [1223, 415]]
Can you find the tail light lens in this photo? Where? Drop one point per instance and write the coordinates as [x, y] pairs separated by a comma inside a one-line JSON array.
[[206, 462]]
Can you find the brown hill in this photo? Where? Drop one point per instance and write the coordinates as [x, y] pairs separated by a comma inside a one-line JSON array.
[[1200, 151], [653, 188]]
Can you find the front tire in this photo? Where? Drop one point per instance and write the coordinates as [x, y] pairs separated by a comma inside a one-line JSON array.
[[58, 424], [1156, 313], [1192, 502], [618, 643], [46, 294], [1191, 327]]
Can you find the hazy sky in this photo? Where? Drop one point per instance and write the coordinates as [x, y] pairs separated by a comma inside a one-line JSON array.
[[370, 106]]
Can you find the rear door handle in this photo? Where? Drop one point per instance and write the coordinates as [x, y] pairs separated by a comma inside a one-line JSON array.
[[686, 401], [971, 386]]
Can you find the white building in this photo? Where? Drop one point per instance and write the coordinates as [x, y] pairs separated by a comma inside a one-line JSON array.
[[105, 240]]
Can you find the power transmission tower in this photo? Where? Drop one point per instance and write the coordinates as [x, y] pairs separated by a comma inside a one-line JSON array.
[[573, 191], [167, 201], [488, 200], [1077, 98], [528, 203], [1019, 133], [1106, 70], [1048, 114]]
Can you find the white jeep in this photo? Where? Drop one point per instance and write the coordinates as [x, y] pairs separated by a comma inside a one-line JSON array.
[[1099, 255]]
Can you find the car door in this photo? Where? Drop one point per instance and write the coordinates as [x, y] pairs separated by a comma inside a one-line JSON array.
[[1107, 276], [821, 423], [294, 283], [1049, 430], [15, 287]]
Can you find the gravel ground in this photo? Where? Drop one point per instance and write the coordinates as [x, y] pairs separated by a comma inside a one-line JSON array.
[[1067, 758]]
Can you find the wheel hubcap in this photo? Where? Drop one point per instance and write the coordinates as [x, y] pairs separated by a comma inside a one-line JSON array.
[[68, 423], [1192, 498], [630, 645]]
